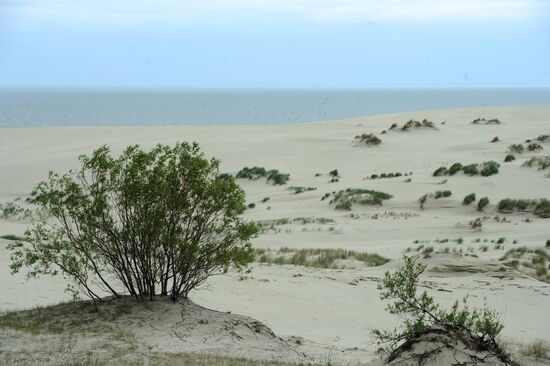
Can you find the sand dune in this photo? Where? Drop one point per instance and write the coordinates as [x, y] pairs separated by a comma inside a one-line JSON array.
[[331, 311]]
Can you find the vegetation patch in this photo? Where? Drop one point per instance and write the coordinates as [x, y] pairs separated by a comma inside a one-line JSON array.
[[540, 207], [539, 162], [318, 258], [534, 147], [388, 175], [272, 176], [266, 225], [469, 199], [435, 195], [414, 124], [483, 121], [516, 148], [367, 139], [485, 169], [12, 237], [509, 158], [344, 199], [298, 190], [533, 262]]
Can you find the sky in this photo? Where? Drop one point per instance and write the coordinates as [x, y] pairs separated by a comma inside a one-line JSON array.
[[274, 43]]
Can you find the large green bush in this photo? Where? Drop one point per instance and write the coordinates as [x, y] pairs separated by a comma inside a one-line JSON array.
[[145, 223]]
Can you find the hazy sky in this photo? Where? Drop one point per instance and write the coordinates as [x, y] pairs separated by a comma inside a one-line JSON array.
[[274, 43]]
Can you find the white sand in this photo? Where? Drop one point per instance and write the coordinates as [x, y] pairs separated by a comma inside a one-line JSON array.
[[322, 306]]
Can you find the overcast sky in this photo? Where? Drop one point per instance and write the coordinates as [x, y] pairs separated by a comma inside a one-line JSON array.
[[274, 43]]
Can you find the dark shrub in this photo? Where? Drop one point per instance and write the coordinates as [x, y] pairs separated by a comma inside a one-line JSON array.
[[495, 139], [444, 194], [334, 173], [440, 172], [516, 148], [455, 168], [471, 169], [468, 199], [482, 203], [509, 158], [534, 147], [489, 168]]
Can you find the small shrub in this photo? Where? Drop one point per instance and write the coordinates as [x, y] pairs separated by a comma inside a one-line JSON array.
[[334, 173], [482, 203], [540, 162], [251, 205], [444, 194], [533, 146], [516, 148], [495, 139], [509, 158], [440, 171], [470, 169], [421, 312], [468, 199], [422, 200], [476, 224], [265, 199], [368, 139], [455, 168], [489, 168]]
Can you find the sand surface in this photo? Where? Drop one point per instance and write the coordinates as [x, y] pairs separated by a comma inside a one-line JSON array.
[[334, 310]]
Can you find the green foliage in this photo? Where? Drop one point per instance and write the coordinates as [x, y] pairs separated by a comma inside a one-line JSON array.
[[334, 173], [489, 168], [533, 146], [440, 171], [159, 222], [485, 169], [540, 162], [483, 121], [444, 194], [298, 190], [509, 158], [455, 168], [468, 199], [420, 312], [273, 176], [516, 148], [470, 169], [317, 258], [344, 199], [368, 139], [482, 203], [422, 200], [540, 207]]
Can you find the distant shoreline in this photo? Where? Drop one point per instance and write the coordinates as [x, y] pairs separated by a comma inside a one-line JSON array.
[[32, 107]]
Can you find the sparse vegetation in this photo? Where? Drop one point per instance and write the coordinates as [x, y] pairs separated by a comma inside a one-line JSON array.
[[539, 162], [265, 225], [298, 190], [539, 207], [483, 121], [272, 176], [388, 175], [516, 148], [368, 139], [486, 169], [414, 124], [533, 146], [318, 258], [344, 199], [537, 348], [533, 262]]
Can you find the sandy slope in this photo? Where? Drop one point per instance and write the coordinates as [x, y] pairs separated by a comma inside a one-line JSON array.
[[333, 310]]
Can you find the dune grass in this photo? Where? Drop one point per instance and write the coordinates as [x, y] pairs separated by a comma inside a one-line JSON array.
[[318, 258]]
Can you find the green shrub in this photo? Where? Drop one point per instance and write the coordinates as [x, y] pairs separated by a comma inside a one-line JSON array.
[[469, 199], [516, 148], [12, 237], [534, 147], [444, 194], [147, 223], [509, 158], [541, 162], [368, 139], [542, 209], [273, 176], [344, 199], [455, 168], [298, 190], [422, 200], [440, 171], [489, 168], [251, 205], [495, 139], [482, 203], [265, 199], [334, 173], [420, 312], [471, 169]]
